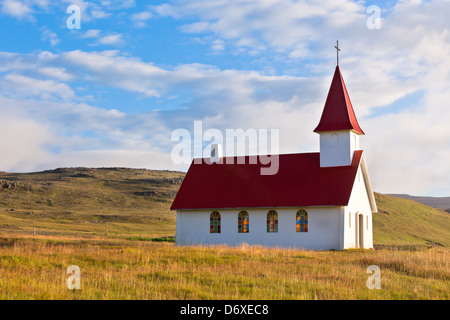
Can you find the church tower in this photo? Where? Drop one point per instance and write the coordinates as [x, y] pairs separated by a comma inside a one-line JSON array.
[[338, 128]]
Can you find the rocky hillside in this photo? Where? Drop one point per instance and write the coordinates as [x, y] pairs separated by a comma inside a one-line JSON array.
[[88, 201]]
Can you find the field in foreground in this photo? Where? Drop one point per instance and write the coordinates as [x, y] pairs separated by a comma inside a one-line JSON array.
[[101, 220], [35, 268]]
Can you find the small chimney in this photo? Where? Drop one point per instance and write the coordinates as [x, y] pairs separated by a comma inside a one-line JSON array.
[[216, 152]]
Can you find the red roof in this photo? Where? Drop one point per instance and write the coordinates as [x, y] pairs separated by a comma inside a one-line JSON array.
[[300, 182], [338, 112]]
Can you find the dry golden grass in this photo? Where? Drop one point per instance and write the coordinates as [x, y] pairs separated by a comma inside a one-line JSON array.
[[35, 268]]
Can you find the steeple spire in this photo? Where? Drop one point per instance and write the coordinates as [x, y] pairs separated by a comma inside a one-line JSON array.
[[338, 113], [338, 128]]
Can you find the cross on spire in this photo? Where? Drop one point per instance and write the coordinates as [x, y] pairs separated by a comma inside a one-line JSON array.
[[337, 52]]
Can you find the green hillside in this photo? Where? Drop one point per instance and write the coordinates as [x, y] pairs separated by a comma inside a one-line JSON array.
[[135, 202], [404, 221], [89, 202]]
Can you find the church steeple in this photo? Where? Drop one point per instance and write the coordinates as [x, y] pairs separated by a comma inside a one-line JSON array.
[[338, 127], [338, 113]]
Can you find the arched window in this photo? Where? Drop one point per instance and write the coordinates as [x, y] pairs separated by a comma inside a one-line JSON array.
[[334, 140], [302, 221], [214, 222], [272, 221], [243, 222]]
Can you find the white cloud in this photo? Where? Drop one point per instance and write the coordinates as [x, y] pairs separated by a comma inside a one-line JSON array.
[[29, 87], [166, 10], [25, 145], [16, 9], [283, 26], [139, 19], [218, 45], [56, 73], [118, 4], [26, 9], [41, 3], [46, 135], [50, 36], [90, 10], [113, 39], [100, 14], [91, 33], [147, 132], [110, 39], [110, 68]]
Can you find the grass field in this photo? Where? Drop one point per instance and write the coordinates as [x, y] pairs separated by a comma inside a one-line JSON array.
[[110, 269], [115, 224]]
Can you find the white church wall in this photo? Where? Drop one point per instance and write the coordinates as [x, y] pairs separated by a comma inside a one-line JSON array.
[[323, 228], [359, 204], [337, 147]]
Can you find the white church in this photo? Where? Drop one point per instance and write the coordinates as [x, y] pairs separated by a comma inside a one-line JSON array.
[[316, 201]]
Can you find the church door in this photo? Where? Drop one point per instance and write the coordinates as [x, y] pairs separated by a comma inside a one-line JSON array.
[[360, 231]]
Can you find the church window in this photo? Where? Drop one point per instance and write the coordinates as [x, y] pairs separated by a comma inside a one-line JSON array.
[[302, 221], [214, 222], [272, 221], [243, 222], [334, 140]]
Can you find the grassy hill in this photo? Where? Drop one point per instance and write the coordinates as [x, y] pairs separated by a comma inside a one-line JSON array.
[[87, 202], [126, 202], [404, 221], [436, 202]]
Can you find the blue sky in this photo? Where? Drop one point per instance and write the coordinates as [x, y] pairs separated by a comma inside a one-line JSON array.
[[112, 92]]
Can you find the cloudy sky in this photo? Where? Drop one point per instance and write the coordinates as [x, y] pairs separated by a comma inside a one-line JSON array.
[[112, 92]]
